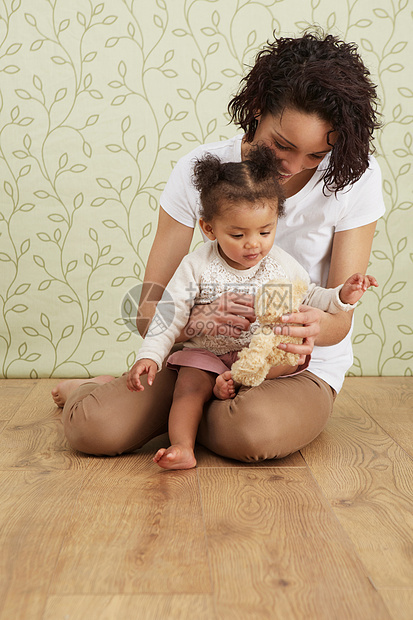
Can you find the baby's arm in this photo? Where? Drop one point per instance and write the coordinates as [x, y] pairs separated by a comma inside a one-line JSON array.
[[141, 367], [355, 286], [343, 297]]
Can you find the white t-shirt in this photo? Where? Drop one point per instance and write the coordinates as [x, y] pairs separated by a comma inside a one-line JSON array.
[[305, 231]]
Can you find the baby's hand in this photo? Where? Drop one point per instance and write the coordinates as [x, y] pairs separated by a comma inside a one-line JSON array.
[[354, 288], [141, 367]]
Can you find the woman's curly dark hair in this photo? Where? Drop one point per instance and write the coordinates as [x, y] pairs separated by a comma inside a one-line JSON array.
[[321, 75], [225, 185]]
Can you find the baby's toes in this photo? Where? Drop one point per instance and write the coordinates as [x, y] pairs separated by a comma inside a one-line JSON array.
[[159, 455]]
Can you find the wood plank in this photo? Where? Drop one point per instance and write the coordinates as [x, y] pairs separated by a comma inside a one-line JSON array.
[[129, 464], [277, 551], [19, 382], [34, 438], [134, 530], [389, 401], [368, 480], [272, 536], [398, 602], [126, 607], [12, 394], [206, 458], [33, 515]]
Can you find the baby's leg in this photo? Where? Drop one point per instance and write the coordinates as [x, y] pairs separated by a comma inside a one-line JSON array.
[[193, 389], [225, 386], [279, 371]]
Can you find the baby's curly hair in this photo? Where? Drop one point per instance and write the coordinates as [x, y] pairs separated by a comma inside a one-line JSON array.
[[321, 75], [224, 185]]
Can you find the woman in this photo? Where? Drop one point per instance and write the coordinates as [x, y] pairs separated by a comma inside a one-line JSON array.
[[311, 100]]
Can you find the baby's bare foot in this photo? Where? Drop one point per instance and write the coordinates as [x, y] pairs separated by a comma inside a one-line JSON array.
[[224, 386], [62, 390], [175, 457]]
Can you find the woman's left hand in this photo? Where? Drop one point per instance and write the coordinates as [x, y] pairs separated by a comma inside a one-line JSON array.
[[305, 324]]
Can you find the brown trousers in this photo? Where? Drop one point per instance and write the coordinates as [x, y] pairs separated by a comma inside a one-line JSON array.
[[270, 421]]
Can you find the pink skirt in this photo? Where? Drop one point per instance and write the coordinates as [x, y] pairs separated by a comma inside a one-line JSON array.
[[202, 359]]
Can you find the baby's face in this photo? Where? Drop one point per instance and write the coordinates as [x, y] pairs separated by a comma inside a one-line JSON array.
[[245, 233]]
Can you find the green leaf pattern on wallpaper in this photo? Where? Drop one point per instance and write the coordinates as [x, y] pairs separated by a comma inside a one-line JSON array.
[[98, 100]]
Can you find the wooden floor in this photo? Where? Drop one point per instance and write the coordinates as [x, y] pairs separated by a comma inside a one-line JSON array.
[[323, 534]]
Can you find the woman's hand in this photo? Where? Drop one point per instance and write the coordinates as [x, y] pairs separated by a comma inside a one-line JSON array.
[[305, 324], [226, 316]]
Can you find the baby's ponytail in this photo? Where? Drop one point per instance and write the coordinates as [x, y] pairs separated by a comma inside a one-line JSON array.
[[262, 162], [207, 172]]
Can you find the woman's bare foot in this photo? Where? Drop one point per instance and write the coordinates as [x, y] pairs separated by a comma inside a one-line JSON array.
[[66, 387], [224, 386], [175, 457]]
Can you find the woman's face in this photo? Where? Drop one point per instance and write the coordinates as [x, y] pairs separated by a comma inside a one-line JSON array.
[[300, 141]]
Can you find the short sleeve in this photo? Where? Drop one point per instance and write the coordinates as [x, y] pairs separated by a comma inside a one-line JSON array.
[[180, 198], [363, 203]]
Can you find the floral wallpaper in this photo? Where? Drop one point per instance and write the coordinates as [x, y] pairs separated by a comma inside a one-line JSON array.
[[98, 100]]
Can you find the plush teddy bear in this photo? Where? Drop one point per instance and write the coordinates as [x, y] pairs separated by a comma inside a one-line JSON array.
[[272, 300]]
